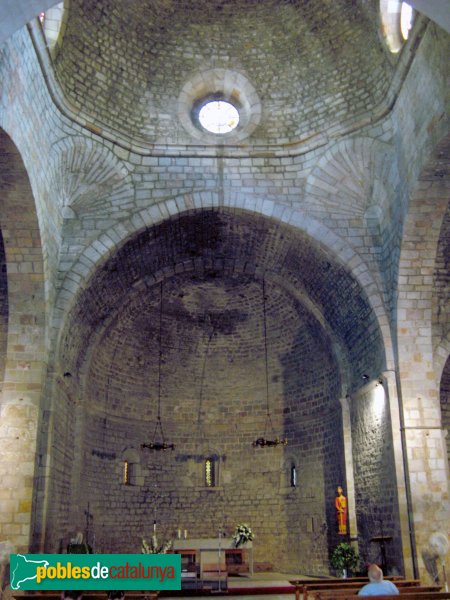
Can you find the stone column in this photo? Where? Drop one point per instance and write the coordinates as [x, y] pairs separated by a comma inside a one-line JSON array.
[[390, 386]]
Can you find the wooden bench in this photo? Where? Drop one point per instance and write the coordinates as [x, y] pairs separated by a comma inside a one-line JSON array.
[[404, 590], [299, 583], [351, 584], [407, 595], [87, 595]]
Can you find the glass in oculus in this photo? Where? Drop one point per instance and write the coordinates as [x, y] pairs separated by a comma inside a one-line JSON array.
[[218, 116], [406, 19]]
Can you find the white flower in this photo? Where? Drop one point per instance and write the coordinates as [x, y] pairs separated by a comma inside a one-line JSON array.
[[154, 547], [242, 534]]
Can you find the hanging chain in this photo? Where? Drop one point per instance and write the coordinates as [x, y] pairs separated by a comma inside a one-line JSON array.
[[158, 426], [268, 427], [265, 346], [160, 359]]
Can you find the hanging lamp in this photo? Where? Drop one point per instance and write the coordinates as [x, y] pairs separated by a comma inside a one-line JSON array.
[[269, 430], [159, 442]]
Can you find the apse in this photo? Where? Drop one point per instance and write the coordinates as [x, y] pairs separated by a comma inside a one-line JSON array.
[[210, 331]]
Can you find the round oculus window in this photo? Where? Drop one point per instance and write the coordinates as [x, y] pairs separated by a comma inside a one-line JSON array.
[[218, 116]]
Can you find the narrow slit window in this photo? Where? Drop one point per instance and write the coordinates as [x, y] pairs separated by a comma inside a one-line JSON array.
[[126, 473], [210, 472], [293, 475]]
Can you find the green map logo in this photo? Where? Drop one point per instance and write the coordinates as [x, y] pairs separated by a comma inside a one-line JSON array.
[[96, 571]]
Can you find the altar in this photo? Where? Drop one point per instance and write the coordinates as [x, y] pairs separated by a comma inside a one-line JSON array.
[[218, 555]]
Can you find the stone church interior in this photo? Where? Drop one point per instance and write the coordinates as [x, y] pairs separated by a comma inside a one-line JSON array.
[[225, 283]]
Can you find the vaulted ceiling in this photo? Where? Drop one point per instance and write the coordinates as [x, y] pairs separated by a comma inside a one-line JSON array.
[[313, 64]]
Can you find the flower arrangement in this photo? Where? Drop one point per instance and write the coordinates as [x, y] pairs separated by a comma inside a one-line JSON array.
[[154, 547], [242, 535], [78, 545], [344, 558]]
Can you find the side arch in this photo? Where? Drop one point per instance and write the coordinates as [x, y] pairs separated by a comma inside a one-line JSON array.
[[420, 365], [23, 310]]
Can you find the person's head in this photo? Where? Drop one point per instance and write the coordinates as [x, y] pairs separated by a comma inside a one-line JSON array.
[[116, 594], [72, 595], [339, 490], [375, 573]]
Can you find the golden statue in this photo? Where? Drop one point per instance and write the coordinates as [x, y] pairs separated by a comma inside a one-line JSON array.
[[341, 511]]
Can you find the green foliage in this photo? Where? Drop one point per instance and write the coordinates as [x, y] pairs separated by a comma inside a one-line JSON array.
[[343, 557], [79, 549]]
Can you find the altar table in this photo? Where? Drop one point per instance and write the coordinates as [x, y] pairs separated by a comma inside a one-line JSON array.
[[221, 552]]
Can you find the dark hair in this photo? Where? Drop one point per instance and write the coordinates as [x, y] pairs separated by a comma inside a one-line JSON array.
[[74, 594], [115, 594]]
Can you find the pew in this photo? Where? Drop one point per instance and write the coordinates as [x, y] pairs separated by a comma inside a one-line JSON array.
[[350, 583], [87, 595], [406, 595], [299, 583], [329, 594]]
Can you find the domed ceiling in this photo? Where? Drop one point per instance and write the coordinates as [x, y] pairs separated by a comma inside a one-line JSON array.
[[313, 64]]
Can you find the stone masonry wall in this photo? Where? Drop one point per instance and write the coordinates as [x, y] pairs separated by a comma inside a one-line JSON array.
[[375, 484], [445, 406], [420, 359], [441, 285], [218, 414]]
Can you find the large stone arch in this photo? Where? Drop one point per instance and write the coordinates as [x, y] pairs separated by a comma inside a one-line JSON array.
[[23, 332], [420, 343], [109, 242]]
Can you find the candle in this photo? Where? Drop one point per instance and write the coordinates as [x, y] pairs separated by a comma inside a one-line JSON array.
[[179, 534], [185, 534], [154, 526]]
